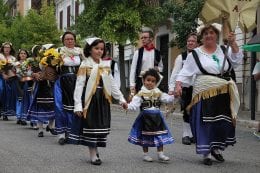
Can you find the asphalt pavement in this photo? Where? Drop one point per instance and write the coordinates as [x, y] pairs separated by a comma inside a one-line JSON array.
[[21, 151]]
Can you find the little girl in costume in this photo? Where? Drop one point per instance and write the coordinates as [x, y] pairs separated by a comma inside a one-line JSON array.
[[149, 128], [93, 94]]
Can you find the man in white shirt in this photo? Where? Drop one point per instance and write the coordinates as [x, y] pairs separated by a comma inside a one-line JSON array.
[[144, 58], [192, 43]]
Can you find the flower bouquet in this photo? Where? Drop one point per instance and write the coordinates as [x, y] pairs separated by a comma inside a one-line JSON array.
[[27, 67], [6, 68], [50, 60]]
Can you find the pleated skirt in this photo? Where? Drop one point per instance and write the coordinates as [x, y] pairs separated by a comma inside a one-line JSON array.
[[156, 138], [93, 130]]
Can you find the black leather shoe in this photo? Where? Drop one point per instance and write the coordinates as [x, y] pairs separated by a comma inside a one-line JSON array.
[[192, 140], [96, 162], [62, 141], [207, 161], [186, 140], [18, 121], [52, 131], [218, 157], [23, 123], [5, 118], [40, 134]]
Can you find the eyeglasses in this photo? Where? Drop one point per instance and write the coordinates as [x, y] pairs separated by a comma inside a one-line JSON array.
[[67, 39], [144, 38]]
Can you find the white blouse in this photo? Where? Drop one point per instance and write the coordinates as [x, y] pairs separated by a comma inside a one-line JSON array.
[[212, 63], [137, 101], [147, 62]]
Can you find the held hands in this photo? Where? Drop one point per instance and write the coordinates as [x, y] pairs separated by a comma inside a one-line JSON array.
[[124, 105], [79, 113]]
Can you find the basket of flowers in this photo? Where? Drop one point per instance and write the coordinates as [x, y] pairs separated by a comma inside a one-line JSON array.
[[27, 67], [50, 60]]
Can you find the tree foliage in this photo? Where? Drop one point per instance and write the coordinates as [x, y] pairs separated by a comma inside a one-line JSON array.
[[185, 16], [37, 27], [117, 20]]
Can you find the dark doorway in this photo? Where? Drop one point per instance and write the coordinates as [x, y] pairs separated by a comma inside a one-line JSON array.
[[164, 42]]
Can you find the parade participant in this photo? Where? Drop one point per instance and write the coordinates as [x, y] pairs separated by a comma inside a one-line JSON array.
[[10, 80], [144, 58], [149, 128], [96, 86], [42, 106], [215, 99], [114, 66], [65, 85], [192, 43], [21, 57]]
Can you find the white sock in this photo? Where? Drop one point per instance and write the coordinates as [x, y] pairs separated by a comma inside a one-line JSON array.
[[93, 154], [62, 136], [217, 151], [160, 153], [186, 129], [207, 156]]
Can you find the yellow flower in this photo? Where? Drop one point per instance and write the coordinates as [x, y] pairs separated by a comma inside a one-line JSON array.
[[44, 61], [2, 62]]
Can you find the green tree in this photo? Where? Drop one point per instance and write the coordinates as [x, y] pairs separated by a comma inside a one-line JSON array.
[[37, 27], [185, 16], [117, 21], [4, 21]]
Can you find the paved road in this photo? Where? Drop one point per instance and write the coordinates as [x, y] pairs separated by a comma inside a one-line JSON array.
[[21, 151]]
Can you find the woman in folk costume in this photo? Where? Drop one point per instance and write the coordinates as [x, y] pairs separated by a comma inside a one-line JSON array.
[[10, 80], [96, 86], [65, 85], [149, 128], [23, 75], [42, 106], [215, 99]]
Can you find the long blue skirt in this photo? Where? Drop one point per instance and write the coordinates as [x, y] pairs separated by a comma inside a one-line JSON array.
[[210, 135], [136, 137], [1, 92], [63, 118], [26, 100], [10, 97]]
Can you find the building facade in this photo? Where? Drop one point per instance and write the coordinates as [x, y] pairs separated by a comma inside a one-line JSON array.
[[67, 12]]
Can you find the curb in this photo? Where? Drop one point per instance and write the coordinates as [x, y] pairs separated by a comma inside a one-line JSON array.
[[249, 123]]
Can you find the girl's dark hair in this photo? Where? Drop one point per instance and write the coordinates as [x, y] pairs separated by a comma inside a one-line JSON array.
[[88, 48], [65, 33], [152, 72], [12, 52], [18, 55]]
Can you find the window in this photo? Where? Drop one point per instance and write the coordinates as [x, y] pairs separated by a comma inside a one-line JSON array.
[[61, 19], [68, 16]]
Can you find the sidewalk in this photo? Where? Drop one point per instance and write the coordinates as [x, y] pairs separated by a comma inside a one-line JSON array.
[[243, 118]]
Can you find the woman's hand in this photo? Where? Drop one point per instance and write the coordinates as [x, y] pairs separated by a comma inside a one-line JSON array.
[[37, 76], [232, 42], [79, 113]]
